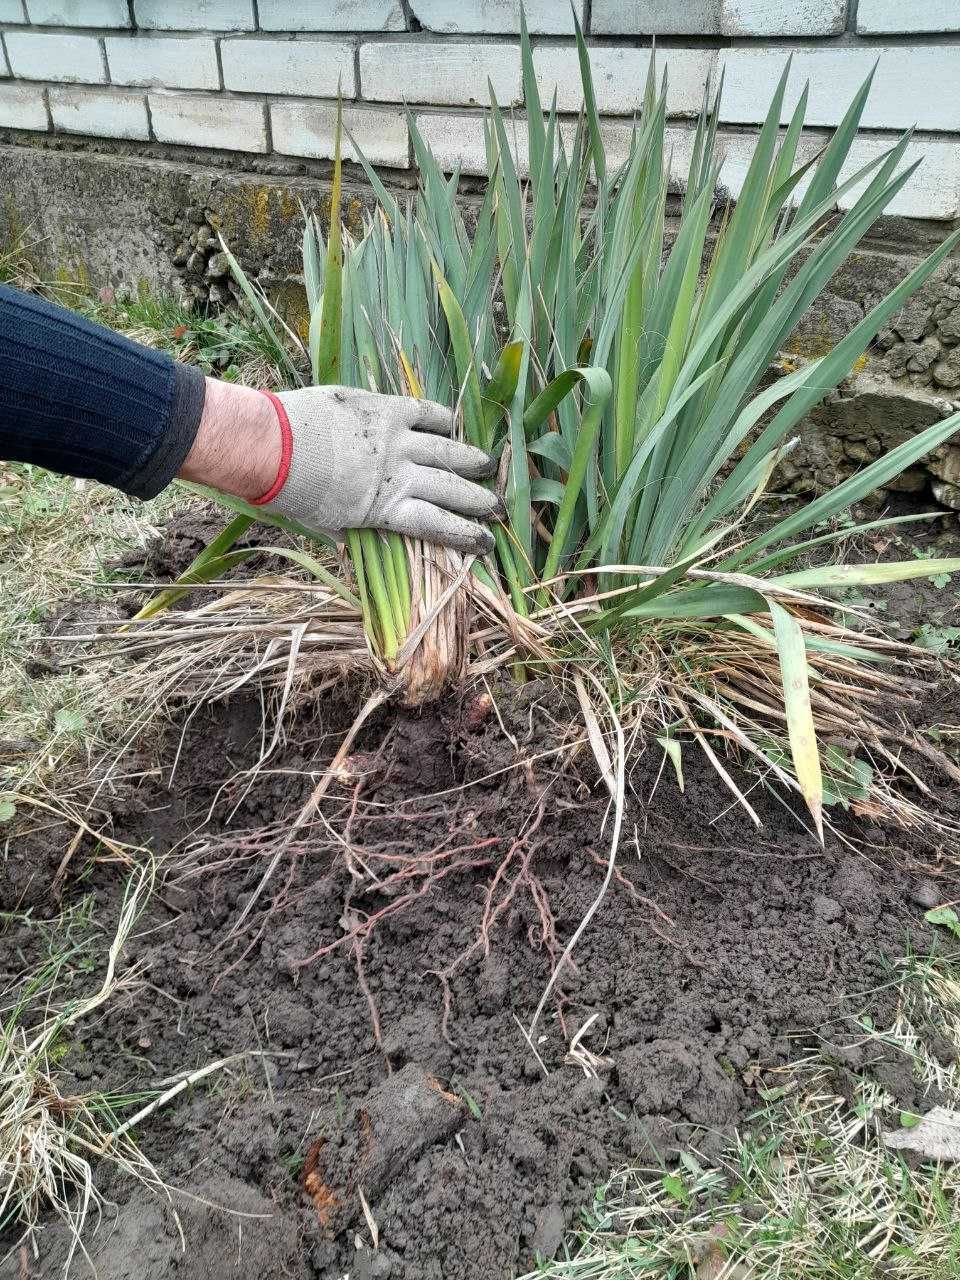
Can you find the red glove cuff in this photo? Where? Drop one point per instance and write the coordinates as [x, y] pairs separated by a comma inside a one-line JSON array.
[[286, 451]]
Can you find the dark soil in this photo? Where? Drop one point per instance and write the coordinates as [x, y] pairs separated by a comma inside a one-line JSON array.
[[714, 947], [395, 1064]]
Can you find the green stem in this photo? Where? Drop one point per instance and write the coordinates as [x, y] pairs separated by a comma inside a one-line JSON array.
[[356, 556], [399, 554], [393, 586], [507, 563], [370, 543]]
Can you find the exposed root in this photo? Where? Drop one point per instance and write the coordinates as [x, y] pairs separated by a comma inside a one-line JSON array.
[[715, 684]]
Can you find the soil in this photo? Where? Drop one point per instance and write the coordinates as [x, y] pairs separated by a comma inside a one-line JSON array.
[[454, 858]]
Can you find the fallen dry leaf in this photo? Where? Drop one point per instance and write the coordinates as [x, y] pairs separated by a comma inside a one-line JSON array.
[[937, 1136]]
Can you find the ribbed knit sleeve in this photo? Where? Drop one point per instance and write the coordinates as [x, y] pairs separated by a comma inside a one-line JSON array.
[[80, 399]]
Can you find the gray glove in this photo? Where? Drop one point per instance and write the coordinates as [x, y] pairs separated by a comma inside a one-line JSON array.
[[364, 461]]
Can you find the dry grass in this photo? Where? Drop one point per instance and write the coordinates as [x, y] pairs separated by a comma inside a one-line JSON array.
[[59, 538], [50, 1138]]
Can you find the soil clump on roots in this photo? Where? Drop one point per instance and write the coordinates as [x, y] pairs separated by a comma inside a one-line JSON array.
[[390, 966]]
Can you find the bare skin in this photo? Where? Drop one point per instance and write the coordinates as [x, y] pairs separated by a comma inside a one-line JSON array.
[[238, 444]]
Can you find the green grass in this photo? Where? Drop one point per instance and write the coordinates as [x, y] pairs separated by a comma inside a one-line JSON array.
[[227, 344]]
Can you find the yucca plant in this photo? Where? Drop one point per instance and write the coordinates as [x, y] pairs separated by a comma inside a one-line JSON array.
[[626, 397]]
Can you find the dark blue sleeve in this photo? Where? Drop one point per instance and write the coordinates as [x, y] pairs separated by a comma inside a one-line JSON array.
[[80, 399]]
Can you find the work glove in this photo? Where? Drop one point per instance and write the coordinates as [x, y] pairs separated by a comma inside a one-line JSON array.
[[357, 460]]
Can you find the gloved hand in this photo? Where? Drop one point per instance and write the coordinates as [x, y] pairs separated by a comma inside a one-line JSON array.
[[358, 460]]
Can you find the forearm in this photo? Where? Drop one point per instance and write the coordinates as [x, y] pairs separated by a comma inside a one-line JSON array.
[[80, 399], [238, 446]]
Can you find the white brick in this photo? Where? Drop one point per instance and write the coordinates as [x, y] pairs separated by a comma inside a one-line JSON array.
[[877, 17], [619, 76], [932, 192], [100, 113], [457, 141], [779, 18], [448, 74], [22, 107], [195, 15], [308, 129], [312, 68], [43, 56], [163, 61], [332, 15], [496, 17], [11, 11], [913, 85], [203, 121], [655, 17], [79, 13]]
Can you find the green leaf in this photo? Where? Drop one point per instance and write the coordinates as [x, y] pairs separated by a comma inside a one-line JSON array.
[[205, 567], [946, 917], [259, 309], [864, 575], [8, 810], [597, 389], [674, 1186], [673, 751], [325, 336], [69, 721], [909, 1119]]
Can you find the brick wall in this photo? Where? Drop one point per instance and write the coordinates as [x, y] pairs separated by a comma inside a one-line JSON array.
[[260, 77]]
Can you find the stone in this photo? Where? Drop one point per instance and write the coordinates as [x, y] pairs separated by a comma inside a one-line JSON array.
[[911, 321], [945, 463], [857, 451], [548, 1231], [946, 372], [898, 357], [218, 266], [949, 327], [219, 295], [827, 908], [947, 494], [886, 339], [913, 480], [180, 254], [824, 323], [926, 354], [196, 263]]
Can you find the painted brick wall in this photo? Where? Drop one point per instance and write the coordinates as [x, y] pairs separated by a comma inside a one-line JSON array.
[[260, 77]]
